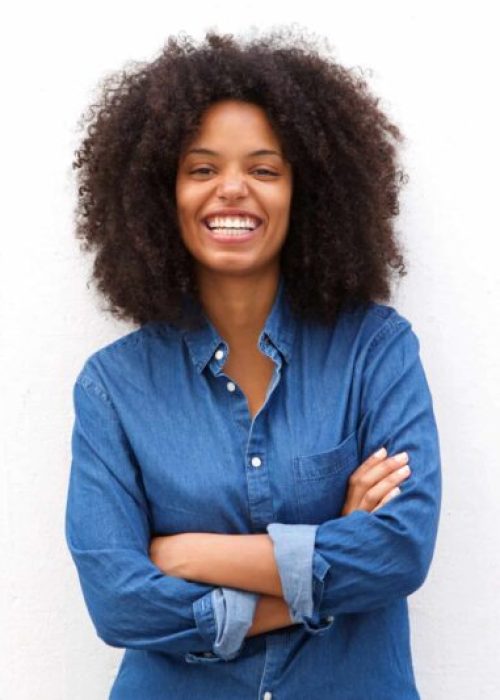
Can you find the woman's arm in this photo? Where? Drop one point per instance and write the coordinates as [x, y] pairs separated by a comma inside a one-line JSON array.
[[236, 561], [131, 603], [271, 613]]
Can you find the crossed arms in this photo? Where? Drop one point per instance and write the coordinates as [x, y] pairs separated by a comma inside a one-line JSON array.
[[245, 562]]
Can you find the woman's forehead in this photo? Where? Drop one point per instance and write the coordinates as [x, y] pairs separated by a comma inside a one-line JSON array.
[[242, 125]]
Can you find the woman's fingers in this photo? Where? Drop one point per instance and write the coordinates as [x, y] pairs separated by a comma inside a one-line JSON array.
[[374, 479], [374, 495], [392, 494], [373, 470], [375, 458]]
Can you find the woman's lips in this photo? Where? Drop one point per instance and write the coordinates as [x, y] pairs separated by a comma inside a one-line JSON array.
[[221, 237]]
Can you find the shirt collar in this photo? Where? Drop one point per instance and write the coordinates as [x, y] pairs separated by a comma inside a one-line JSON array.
[[279, 327]]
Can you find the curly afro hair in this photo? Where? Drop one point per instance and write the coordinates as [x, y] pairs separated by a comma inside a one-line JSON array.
[[341, 244]]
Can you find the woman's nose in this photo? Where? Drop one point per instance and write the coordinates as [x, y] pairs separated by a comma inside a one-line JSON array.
[[232, 185]]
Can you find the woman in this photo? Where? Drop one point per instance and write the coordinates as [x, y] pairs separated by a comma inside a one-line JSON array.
[[255, 485]]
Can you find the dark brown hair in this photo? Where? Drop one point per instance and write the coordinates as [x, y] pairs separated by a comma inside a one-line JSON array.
[[341, 244]]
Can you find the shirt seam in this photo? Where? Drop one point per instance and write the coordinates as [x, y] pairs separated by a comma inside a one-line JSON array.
[[132, 339], [386, 330], [89, 384]]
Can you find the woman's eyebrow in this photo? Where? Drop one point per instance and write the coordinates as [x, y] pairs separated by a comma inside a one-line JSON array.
[[260, 152]]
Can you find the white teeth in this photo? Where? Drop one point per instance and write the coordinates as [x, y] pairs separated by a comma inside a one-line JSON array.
[[232, 222], [230, 233]]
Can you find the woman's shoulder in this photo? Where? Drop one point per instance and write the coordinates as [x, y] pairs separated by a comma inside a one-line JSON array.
[[372, 317], [130, 351], [372, 325]]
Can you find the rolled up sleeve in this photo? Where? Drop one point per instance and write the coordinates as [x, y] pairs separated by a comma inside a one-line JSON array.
[[131, 602], [366, 560], [301, 571], [234, 610]]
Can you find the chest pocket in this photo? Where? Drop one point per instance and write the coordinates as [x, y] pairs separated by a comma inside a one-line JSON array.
[[321, 481]]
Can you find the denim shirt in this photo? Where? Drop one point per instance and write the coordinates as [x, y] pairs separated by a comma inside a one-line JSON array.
[[163, 442]]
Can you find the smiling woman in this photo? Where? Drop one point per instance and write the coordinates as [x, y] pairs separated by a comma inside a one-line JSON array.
[[329, 134], [240, 495]]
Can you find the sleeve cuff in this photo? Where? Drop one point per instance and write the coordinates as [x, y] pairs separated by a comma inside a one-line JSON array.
[[302, 571], [223, 617], [234, 613], [204, 616]]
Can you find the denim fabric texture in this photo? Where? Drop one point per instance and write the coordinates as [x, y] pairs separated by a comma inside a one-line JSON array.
[[163, 443]]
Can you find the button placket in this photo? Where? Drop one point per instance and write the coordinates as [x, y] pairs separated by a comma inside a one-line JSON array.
[[257, 472], [259, 489]]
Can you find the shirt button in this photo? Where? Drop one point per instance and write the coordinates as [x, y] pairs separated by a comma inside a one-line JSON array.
[[230, 386], [267, 695], [256, 461], [219, 354], [329, 618]]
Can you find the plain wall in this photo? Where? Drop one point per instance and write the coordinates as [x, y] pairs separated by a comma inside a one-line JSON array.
[[433, 65]]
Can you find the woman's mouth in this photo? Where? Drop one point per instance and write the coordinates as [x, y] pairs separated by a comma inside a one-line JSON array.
[[230, 234]]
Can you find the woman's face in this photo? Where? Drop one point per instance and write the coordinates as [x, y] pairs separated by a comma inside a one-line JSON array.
[[234, 190]]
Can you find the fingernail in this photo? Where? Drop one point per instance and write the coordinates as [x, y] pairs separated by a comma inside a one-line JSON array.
[[380, 453], [395, 492], [404, 470], [401, 457]]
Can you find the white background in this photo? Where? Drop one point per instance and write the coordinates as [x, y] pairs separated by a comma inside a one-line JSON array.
[[436, 70]]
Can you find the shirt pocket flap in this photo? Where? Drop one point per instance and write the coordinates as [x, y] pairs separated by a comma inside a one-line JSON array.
[[322, 464]]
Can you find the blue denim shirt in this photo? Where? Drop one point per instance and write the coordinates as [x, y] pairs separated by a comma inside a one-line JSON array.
[[163, 443]]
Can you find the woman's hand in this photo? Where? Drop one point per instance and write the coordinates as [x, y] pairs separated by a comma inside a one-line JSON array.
[[376, 481]]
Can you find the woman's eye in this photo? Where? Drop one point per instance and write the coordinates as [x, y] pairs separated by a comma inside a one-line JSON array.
[[265, 171], [200, 170]]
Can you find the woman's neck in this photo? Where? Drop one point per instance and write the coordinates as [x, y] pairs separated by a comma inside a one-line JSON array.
[[238, 305]]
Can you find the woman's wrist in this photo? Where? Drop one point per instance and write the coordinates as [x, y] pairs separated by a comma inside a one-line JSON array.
[[271, 613]]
